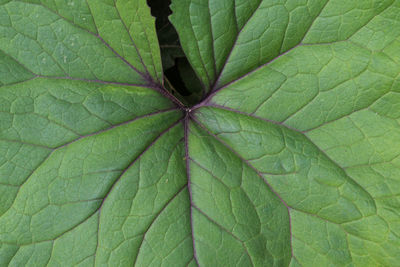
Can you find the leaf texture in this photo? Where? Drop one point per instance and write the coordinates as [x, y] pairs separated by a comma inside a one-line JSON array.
[[291, 159]]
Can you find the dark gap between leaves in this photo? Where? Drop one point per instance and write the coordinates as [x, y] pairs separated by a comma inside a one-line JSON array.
[[176, 80], [180, 78]]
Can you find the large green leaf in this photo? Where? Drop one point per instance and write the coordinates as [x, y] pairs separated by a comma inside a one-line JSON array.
[[291, 159]]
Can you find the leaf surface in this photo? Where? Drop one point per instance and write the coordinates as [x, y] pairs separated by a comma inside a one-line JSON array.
[[290, 159]]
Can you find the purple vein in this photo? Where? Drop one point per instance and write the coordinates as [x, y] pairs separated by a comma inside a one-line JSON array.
[[19, 82], [370, 19], [27, 178], [217, 178], [214, 92], [66, 231], [226, 230], [51, 55], [155, 219], [134, 160], [77, 79], [210, 173], [151, 83], [212, 38], [152, 54], [254, 169], [351, 180], [92, 17], [198, 49], [251, 115], [19, 247], [91, 134], [150, 86], [316, 17], [91, 81], [35, 75], [285, 34], [168, 95], [187, 159], [17, 61], [303, 134], [115, 182], [115, 126], [214, 87], [145, 77], [346, 115], [9, 185], [131, 38]]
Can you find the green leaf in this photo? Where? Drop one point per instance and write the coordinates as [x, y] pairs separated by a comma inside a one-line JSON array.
[[291, 158]]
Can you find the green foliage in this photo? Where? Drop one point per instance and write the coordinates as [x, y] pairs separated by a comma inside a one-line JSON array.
[[290, 158]]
